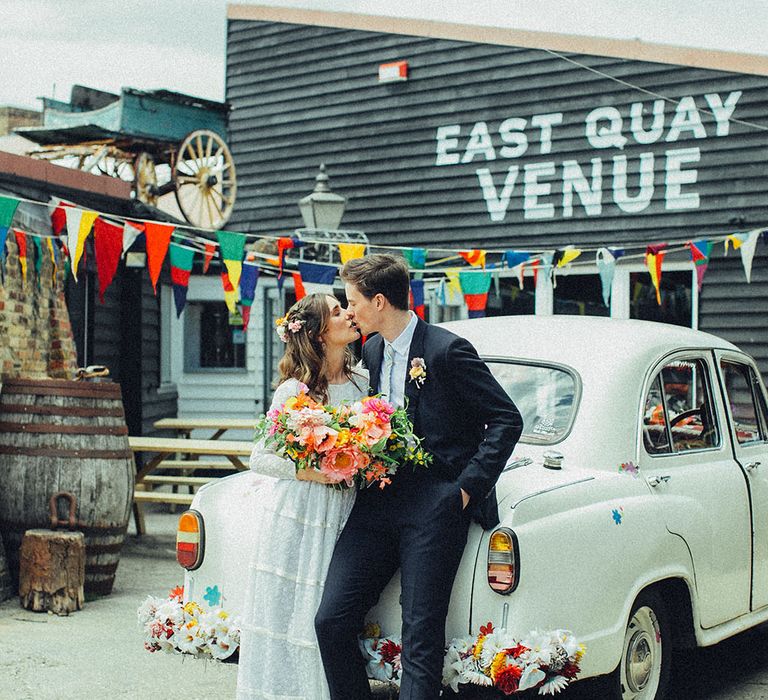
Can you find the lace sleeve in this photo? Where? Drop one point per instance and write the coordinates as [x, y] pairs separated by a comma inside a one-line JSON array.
[[264, 460]]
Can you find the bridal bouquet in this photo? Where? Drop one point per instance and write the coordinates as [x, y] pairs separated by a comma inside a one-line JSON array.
[[357, 444]]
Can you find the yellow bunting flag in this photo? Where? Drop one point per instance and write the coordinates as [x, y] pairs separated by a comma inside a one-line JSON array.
[[568, 255], [49, 242], [654, 256], [79, 224], [454, 285], [351, 251]]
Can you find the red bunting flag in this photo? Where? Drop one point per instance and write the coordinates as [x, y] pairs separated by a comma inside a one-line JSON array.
[[210, 249], [284, 243], [21, 242], [654, 257], [108, 245], [158, 239], [476, 258]]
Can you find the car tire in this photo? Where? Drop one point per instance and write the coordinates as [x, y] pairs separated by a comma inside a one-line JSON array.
[[644, 669]]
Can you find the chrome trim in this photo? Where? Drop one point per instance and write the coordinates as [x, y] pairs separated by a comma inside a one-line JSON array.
[[552, 488]]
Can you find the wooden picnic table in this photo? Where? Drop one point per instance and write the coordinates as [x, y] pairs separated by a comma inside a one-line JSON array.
[[185, 426], [165, 451]]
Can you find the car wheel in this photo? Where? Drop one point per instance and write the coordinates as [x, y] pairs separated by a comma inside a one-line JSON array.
[[644, 669]]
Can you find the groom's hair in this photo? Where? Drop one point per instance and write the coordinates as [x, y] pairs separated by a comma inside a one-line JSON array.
[[380, 274]]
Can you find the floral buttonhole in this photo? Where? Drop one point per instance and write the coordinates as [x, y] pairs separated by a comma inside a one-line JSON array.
[[418, 371]]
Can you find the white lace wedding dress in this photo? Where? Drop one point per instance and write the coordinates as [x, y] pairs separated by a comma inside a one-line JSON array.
[[299, 523]]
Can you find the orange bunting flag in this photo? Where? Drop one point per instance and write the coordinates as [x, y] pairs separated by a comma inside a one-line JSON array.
[[654, 256], [230, 293], [476, 258], [79, 225], [158, 239], [298, 285]]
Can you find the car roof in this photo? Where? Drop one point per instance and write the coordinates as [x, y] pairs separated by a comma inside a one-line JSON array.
[[580, 340]]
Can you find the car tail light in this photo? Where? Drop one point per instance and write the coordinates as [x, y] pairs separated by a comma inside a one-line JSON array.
[[190, 540], [503, 561]]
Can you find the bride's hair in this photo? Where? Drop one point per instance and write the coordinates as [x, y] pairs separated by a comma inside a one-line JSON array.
[[304, 357]]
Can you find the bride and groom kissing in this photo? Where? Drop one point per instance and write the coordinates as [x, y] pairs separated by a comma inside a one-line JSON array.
[[325, 555]]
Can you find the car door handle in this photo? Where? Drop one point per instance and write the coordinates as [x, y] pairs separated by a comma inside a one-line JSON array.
[[656, 480], [751, 466]]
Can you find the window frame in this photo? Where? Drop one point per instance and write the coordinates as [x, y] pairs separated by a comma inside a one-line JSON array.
[[761, 411]]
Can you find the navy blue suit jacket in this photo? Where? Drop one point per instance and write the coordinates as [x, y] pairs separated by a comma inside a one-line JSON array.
[[467, 421]]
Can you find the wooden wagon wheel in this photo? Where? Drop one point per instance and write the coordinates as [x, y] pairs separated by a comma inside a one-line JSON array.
[[205, 179], [145, 181]]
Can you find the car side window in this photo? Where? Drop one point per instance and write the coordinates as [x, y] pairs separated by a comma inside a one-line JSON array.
[[679, 414], [746, 402]]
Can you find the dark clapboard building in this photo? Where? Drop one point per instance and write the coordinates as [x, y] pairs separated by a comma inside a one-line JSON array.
[[507, 140]]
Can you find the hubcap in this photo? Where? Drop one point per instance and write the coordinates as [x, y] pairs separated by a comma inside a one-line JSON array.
[[641, 661]]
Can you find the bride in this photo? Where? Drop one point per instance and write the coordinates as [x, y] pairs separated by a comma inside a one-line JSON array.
[[300, 517]]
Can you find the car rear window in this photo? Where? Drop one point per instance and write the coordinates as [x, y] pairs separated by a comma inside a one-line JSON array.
[[544, 395]]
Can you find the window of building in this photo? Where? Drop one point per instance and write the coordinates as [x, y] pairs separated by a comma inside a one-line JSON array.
[[510, 300], [213, 339], [676, 291], [580, 295]]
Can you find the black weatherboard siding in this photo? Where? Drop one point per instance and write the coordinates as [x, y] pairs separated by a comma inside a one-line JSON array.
[[306, 94]]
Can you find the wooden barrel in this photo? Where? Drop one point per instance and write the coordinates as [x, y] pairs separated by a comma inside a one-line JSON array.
[[59, 435], [6, 590]]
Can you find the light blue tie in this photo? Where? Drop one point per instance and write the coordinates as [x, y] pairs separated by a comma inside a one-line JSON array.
[[389, 363]]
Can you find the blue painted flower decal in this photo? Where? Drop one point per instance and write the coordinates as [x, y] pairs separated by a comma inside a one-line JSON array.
[[617, 515], [212, 595]]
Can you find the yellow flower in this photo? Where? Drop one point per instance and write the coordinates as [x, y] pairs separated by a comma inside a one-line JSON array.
[[478, 646], [290, 403], [192, 608], [372, 629], [499, 662], [344, 437]]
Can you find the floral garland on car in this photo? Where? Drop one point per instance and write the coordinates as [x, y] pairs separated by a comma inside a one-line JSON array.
[[548, 661], [171, 625]]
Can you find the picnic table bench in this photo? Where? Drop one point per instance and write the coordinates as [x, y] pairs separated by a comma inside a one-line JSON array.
[[165, 451], [185, 426]]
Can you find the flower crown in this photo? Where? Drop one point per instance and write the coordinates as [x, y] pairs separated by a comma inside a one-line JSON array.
[[283, 325]]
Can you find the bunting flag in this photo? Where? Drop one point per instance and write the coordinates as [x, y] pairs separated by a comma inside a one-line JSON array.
[[21, 242], [747, 248], [454, 285], [210, 249], [230, 293], [654, 256], [734, 238], [351, 251], [248, 280], [298, 286], [606, 267], [79, 225], [476, 258], [440, 293], [108, 246], [38, 257], [181, 259], [520, 272], [58, 214], [700, 252], [475, 286], [283, 243], [416, 257], [131, 231], [54, 261], [417, 297], [317, 277], [567, 255], [158, 239], [535, 267], [231, 248], [545, 261], [7, 212], [513, 258]]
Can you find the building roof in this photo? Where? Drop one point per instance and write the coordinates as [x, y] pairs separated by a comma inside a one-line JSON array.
[[631, 49]]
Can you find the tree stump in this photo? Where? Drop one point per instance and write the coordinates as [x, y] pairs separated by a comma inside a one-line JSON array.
[[52, 571]]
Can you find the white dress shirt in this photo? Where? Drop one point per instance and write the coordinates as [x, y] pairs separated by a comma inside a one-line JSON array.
[[402, 346]]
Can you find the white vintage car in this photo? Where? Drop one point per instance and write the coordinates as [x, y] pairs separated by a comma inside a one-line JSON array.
[[634, 510]]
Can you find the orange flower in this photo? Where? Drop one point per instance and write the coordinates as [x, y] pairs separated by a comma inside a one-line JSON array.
[[342, 463]]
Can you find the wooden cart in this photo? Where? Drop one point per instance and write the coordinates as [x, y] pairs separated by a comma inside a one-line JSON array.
[[161, 141]]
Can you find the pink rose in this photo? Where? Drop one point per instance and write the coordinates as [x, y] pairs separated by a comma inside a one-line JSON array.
[[380, 408], [342, 463]]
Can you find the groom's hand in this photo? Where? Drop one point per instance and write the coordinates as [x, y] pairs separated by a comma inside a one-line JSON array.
[[464, 498]]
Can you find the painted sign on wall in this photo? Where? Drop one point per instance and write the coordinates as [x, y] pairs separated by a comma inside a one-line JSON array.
[[608, 179]]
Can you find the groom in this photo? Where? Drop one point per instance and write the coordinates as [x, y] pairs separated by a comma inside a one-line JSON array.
[[418, 523]]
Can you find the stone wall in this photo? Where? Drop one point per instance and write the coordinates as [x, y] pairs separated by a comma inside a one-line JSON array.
[[35, 334]]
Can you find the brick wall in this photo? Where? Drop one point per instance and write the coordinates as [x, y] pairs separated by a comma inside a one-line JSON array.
[[35, 333]]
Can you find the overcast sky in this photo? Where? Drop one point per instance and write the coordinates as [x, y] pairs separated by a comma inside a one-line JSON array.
[[47, 45]]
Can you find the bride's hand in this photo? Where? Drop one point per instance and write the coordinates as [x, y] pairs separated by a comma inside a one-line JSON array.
[[312, 475]]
